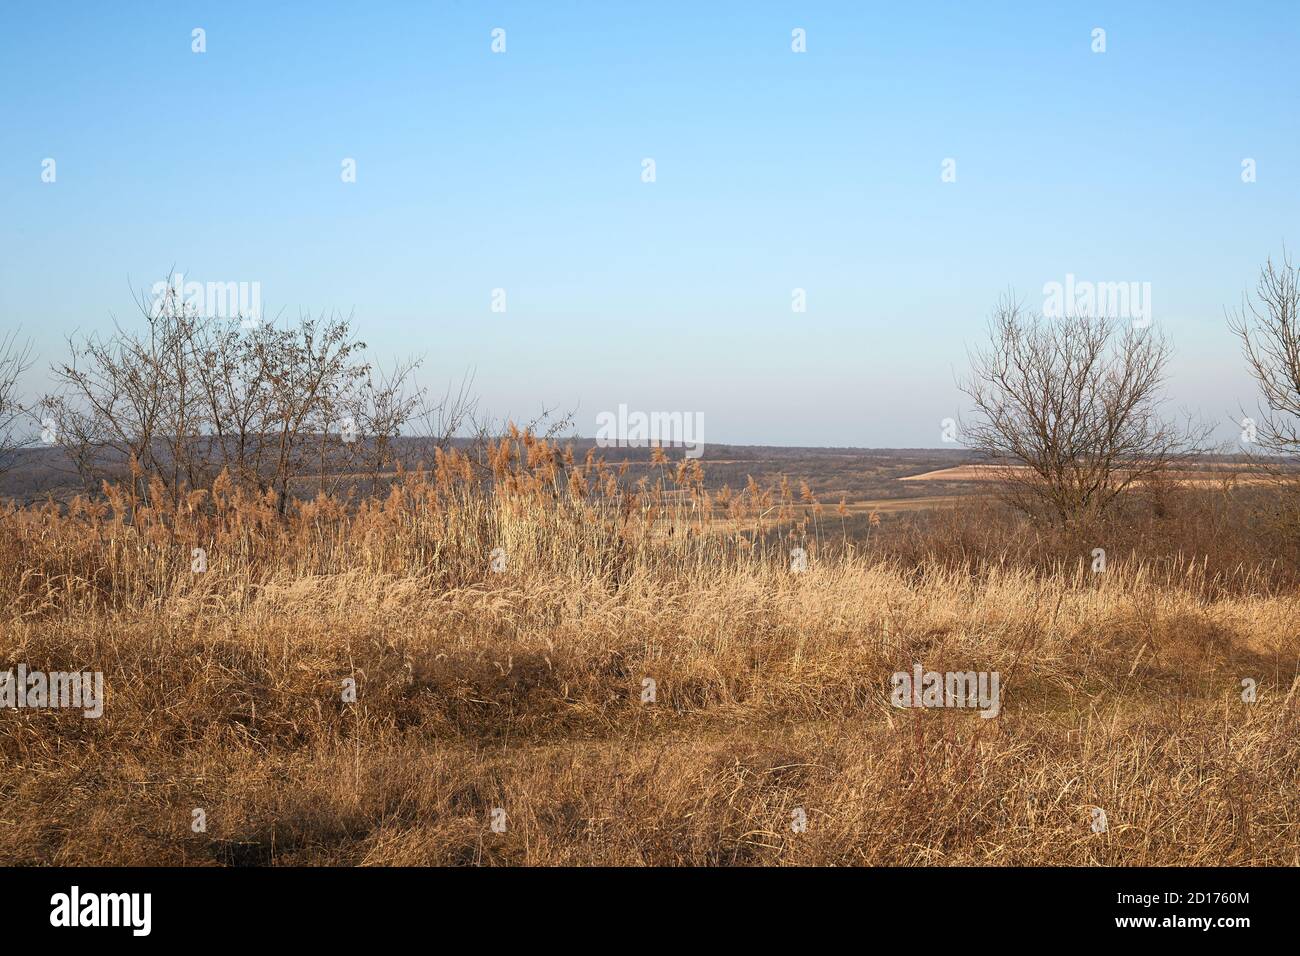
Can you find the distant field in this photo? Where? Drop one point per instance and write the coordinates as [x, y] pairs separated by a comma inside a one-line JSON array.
[[884, 480], [885, 505], [855, 474], [1213, 473], [962, 473]]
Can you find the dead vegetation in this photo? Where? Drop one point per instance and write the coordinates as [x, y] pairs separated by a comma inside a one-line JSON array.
[[521, 689]]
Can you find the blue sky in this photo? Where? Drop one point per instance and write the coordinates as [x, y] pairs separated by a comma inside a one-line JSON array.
[[774, 171]]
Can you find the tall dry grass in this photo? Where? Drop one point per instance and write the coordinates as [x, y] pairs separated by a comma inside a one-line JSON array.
[[521, 689]]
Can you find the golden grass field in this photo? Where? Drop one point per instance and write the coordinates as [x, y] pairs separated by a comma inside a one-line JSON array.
[[520, 690]]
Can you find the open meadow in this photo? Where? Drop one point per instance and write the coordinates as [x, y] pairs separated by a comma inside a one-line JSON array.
[[548, 662]]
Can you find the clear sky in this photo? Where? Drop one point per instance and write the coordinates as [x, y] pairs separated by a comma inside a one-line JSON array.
[[775, 170]]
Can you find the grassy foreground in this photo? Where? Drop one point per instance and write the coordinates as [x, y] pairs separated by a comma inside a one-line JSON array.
[[521, 690]]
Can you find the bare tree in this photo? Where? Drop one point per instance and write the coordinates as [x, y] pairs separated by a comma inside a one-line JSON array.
[[1069, 411], [15, 359], [129, 399], [381, 405], [1268, 326], [438, 423]]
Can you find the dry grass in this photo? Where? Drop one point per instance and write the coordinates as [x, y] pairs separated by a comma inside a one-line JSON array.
[[522, 689]]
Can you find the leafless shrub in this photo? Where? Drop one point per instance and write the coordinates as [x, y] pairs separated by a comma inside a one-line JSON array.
[[278, 407], [15, 359]]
